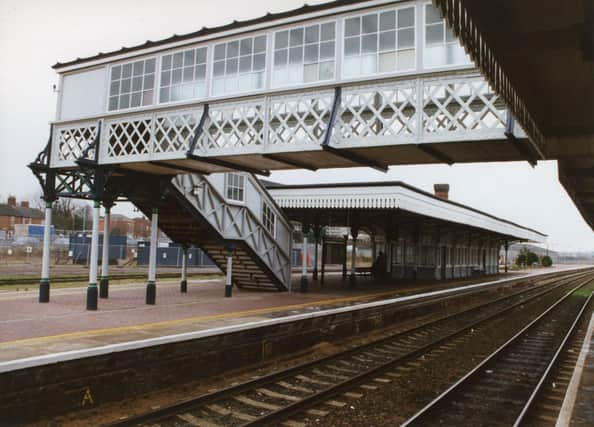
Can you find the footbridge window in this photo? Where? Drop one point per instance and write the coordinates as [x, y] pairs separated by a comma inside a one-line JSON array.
[[132, 84], [183, 75], [381, 42], [239, 65], [304, 54], [268, 218], [441, 47], [235, 187]]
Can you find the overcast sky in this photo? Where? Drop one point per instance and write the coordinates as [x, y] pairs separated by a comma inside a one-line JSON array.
[[34, 34]]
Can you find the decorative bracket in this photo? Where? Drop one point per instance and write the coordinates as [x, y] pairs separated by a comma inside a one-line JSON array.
[[510, 124]]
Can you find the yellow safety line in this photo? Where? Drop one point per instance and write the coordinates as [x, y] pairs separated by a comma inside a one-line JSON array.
[[144, 326]]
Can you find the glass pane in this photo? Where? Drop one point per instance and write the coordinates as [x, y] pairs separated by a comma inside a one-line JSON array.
[[449, 35], [245, 47], [259, 62], [219, 52], [166, 63], [327, 70], [369, 43], [176, 76], [188, 57], [388, 40], [135, 100], [280, 57], [176, 94], [126, 70], [296, 37], [149, 66], [188, 74], [126, 83], [165, 78], [406, 17], [149, 81], [124, 101], [113, 103], [187, 91], [352, 46], [434, 34], [231, 66], [164, 95], [327, 50], [351, 66], [147, 97], [369, 24], [138, 68], [200, 72], [311, 53], [116, 72], [388, 20], [219, 68], [295, 55], [406, 38], [431, 14], [245, 64], [260, 44], [368, 64], [352, 27], [201, 55], [310, 73], [114, 89], [406, 60], [281, 39], [312, 34], [387, 62], [328, 31], [178, 59], [232, 49]]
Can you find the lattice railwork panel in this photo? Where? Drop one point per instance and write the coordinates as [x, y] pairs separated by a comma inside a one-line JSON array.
[[128, 139], [461, 106], [299, 119], [377, 112], [233, 127], [174, 131], [72, 141]]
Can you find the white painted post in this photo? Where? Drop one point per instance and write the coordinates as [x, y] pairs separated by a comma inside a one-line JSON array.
[[229, 274], [92, 289], [304, 264], [44, 285], [151, 286], [104, 280], [184, 270], [354, 258]]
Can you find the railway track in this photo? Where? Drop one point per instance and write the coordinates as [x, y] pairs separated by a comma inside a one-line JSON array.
[[277, 397], [504, 387]]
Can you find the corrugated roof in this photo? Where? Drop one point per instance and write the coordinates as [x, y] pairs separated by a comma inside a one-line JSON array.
[[6, 210], [205, 31]]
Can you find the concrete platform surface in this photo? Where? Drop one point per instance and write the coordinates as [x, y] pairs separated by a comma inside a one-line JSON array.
[[29, 329]]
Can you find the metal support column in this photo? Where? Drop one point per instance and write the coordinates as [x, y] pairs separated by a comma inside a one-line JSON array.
[[184, 271], [228, 276], [104, 280], [151, 286], [505, 259], [354, 233], [324, 249], [317, 230], [305, 230], [92, 292], [44, 285], [344, 259]]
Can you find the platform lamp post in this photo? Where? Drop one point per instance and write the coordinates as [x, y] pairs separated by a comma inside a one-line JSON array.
[[184, 270], [304, 284], [44, 284], [229, 273], [151, 286], [104, 279], [92, 292]]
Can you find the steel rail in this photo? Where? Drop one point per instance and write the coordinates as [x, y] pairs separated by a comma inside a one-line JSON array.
[[194, 403], [552, 363], [464, 380]]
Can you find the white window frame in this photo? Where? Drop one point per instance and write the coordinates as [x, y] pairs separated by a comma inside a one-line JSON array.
[[157, 73], [337, 45], [378, 11], [267, 207], [206, 77], [228, 185]]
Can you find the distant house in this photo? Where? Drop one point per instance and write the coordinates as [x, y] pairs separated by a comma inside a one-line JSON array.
[[121, 225], [11, 215]]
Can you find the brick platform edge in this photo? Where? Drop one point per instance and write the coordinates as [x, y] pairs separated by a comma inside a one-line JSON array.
[[50, 389]]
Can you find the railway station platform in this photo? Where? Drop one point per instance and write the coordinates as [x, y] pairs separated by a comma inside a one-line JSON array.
[[29, 330]]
